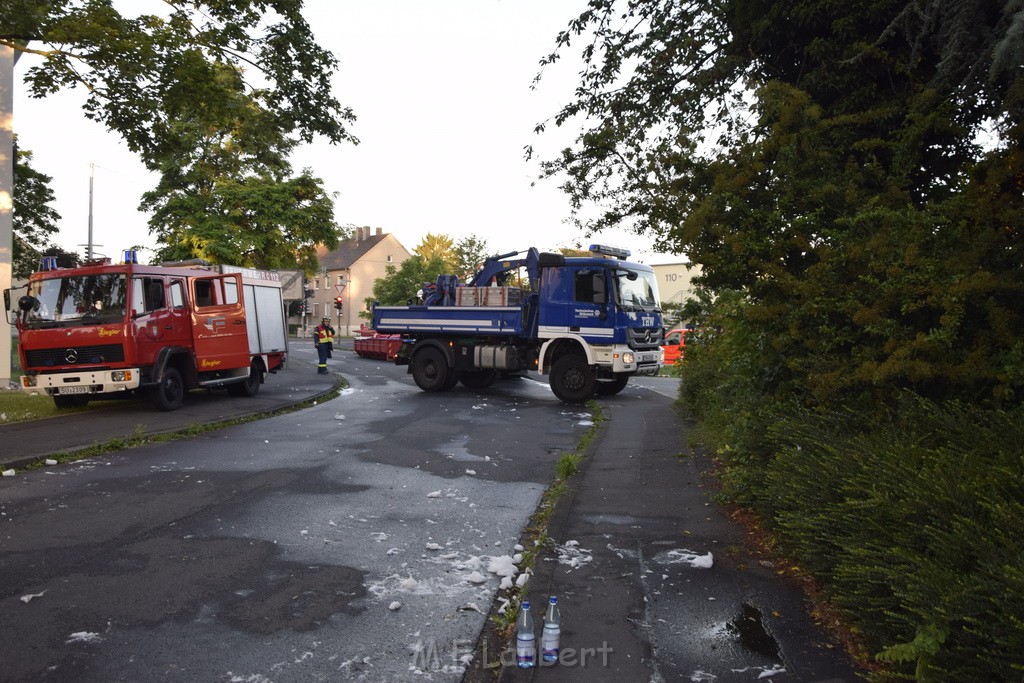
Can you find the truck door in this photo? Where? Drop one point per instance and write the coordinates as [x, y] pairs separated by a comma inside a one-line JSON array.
[[218, 322], [588, 312], [158, 315], [578, 299]]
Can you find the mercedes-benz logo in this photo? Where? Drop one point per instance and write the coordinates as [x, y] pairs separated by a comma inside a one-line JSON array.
[[647, 336], [71, 356]]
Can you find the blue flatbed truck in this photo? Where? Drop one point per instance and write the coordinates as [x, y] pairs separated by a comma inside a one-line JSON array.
[[589, 323]]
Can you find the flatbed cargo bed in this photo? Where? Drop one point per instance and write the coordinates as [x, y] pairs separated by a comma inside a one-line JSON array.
[[486, 320]]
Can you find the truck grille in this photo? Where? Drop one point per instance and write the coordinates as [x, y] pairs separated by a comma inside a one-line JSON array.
[[644, 337], [75, 355]]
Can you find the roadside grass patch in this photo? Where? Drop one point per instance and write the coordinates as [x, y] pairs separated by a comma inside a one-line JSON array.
[[142, 438], [17, 406]]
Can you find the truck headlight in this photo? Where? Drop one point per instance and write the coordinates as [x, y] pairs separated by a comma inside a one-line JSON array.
[[627, 358], [121, 376], [28, 380]]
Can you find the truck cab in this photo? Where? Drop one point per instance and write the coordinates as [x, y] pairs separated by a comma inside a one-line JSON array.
[[107, 330], [610, 307], [589, 323]]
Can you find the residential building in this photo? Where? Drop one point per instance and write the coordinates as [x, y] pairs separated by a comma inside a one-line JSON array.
[[349, 272], [675, 282]]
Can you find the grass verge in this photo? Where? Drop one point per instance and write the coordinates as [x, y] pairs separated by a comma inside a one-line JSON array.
[[139, 438], [534, 540], [17, 406]]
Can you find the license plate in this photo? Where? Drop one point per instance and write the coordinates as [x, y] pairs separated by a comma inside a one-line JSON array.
[[73, 390]]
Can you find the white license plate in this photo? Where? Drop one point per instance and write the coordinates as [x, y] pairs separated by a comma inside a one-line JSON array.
[[73, 390]]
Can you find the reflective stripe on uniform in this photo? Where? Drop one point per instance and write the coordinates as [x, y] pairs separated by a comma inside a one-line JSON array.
[[324, 335]]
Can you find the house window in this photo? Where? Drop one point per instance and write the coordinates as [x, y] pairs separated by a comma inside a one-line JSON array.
[[341, 279], [316, 283], [390, 258]]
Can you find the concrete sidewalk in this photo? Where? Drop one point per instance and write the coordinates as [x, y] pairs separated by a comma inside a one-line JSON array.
[[655, 582], [25, 442]]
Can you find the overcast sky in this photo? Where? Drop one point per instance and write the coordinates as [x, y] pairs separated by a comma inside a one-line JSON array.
[[442, 94]]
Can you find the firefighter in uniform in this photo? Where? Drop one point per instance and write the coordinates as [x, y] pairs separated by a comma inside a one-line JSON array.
[[323, 340]]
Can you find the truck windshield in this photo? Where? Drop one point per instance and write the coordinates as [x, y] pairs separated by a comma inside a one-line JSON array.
[[81, 300], [637, 290]]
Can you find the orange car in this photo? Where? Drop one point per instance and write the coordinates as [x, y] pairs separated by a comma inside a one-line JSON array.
[[674, 345]]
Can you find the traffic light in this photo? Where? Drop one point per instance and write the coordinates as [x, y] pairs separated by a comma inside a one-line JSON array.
[[337, 303]]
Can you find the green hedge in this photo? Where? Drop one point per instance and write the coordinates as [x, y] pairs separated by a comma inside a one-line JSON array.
[[913, 522], [911, 516], [917, 528]]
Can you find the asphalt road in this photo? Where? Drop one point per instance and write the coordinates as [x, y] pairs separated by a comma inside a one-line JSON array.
[[364, 539], [336, 542]]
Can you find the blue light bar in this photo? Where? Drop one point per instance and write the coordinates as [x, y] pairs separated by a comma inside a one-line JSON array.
[[613, 252], [49, 263], [131, 256]]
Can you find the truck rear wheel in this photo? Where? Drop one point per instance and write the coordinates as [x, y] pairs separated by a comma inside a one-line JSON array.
[[572, 379], [430, 370], [475, 380], [453, 378], [613, 386], [170, 391], [251, 385]]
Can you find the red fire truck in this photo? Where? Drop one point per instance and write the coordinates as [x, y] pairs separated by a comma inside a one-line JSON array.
[[108, 330]]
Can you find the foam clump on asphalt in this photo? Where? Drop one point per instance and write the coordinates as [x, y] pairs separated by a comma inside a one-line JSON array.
[[503, 565], [693, 559], [573, 555]]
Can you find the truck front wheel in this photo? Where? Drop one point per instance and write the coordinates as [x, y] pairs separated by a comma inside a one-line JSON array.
[[430, 370], [73, 401], [613, 386], [170, 391], [572, 380]]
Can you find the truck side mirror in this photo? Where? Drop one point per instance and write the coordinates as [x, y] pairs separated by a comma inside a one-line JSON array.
[[549, 260], [28, 303]]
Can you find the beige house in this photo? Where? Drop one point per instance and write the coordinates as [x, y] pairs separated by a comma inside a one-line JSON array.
[[675, 281], [348, 272]]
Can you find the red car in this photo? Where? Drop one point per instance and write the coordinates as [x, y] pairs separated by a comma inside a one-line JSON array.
[[674, 345]]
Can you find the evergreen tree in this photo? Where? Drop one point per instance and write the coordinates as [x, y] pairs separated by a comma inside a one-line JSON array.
[[143, 73], [827, 162], [35, 220], [228, 194]]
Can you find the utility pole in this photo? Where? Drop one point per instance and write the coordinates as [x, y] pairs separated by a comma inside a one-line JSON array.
[[7, 161], [88, 249]]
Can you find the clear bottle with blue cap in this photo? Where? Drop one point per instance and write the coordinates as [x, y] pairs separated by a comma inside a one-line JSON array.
[[552, 631], [526, 640]]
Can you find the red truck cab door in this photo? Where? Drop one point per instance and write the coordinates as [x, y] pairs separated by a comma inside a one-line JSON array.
[[159, 317], [218, 322]]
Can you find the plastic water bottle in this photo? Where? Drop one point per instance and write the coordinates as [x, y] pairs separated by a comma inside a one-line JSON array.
[[552, 631], [526, 641]]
